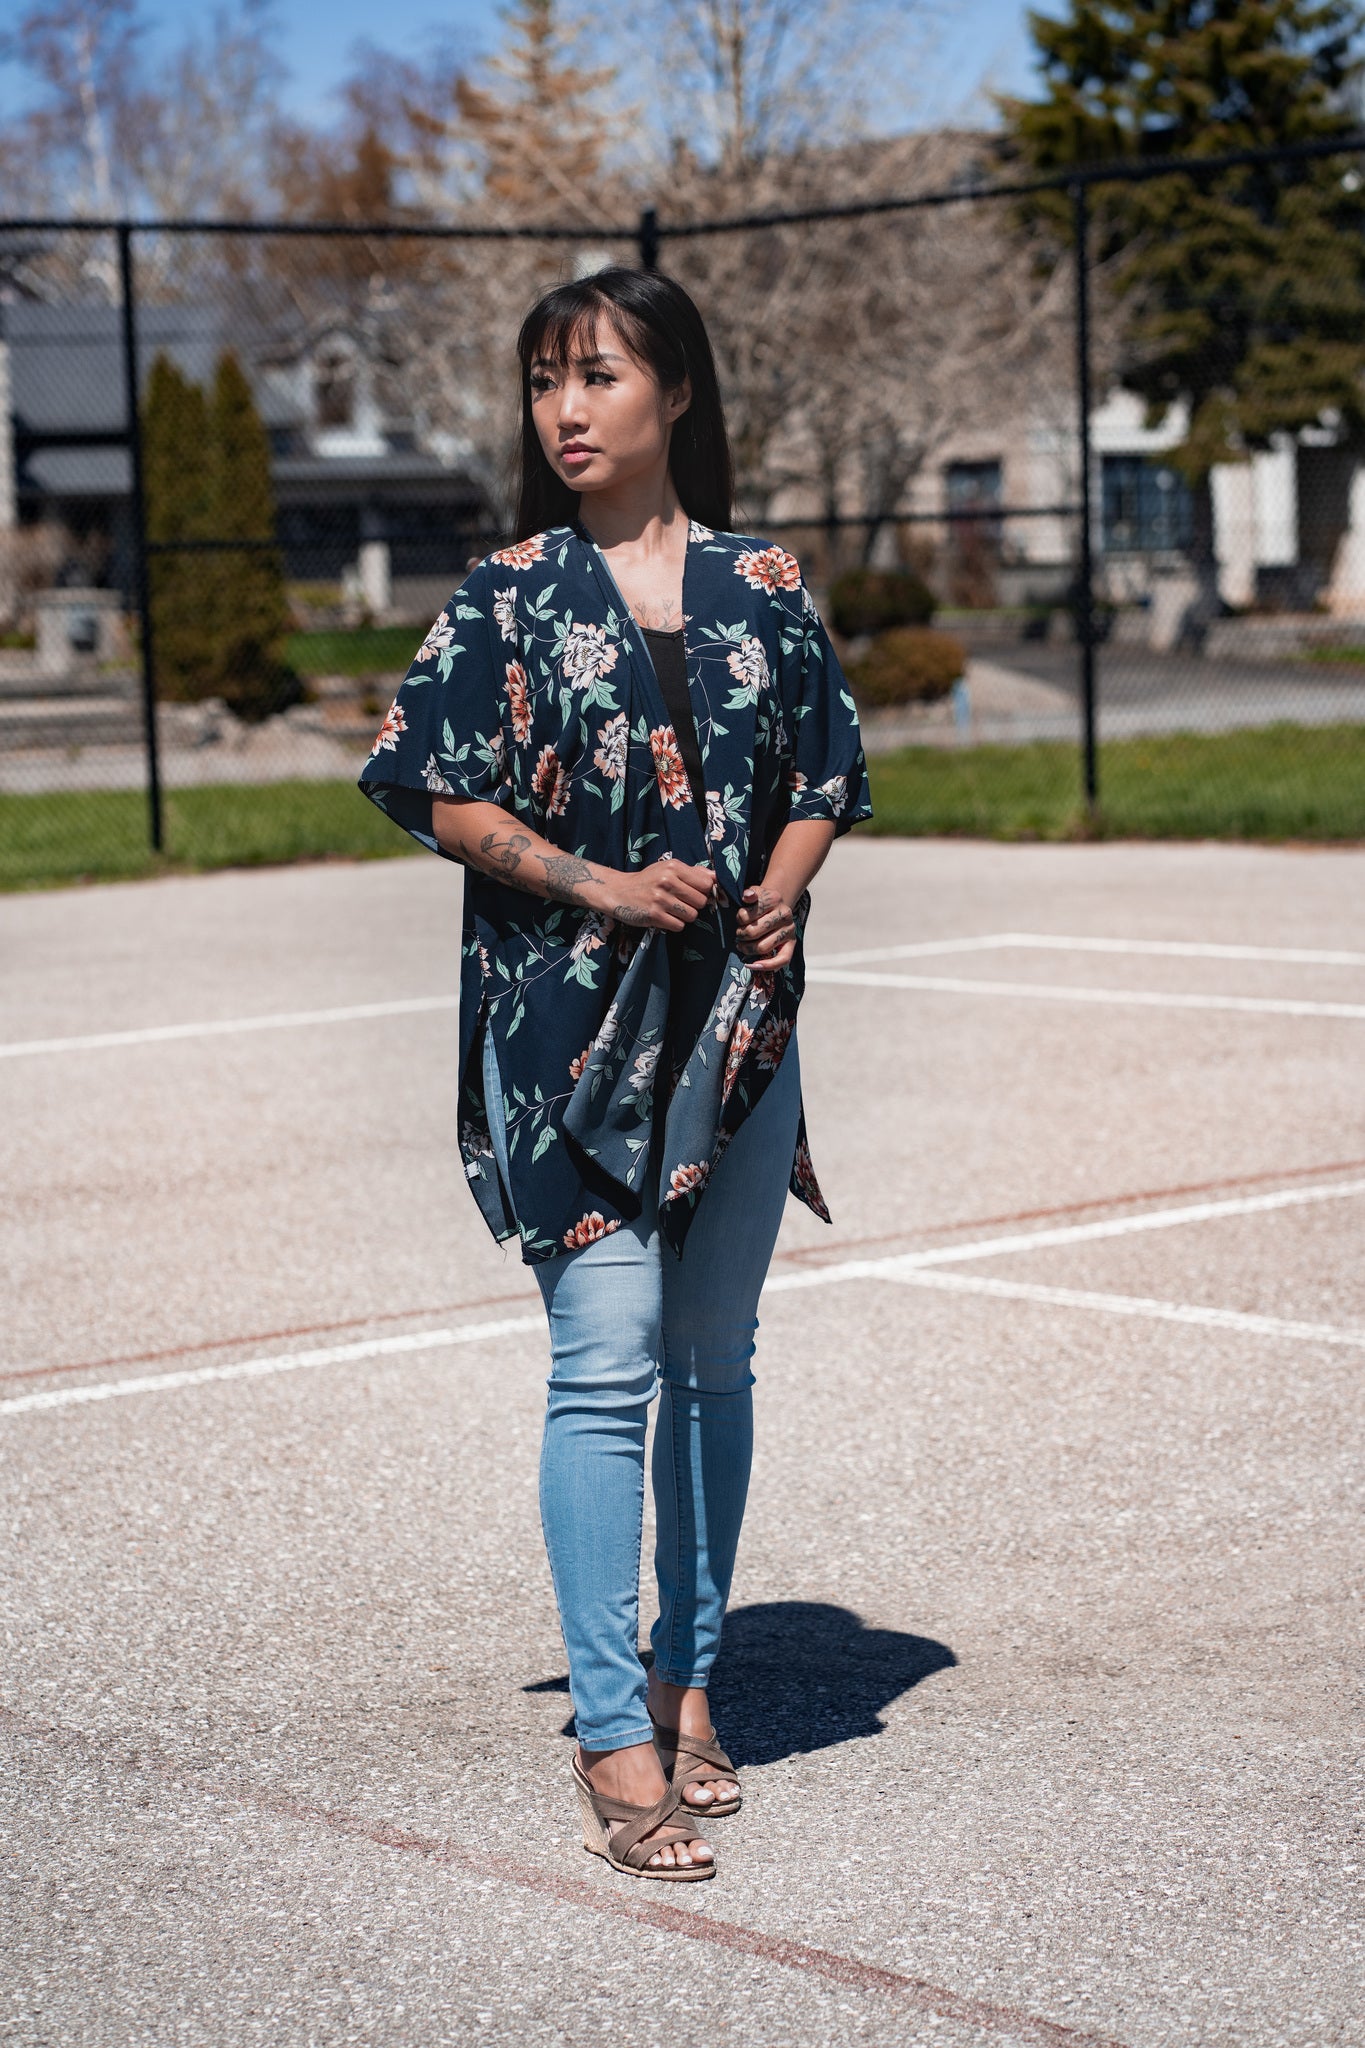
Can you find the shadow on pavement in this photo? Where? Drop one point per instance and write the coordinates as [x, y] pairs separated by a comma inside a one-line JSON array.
[[801, 1675]]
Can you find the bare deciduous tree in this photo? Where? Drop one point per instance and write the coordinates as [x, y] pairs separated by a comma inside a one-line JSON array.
[[115, 130], [854, 351], [754, 80]]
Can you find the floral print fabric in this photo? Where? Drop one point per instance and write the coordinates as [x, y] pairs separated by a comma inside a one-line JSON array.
[[534, 690]]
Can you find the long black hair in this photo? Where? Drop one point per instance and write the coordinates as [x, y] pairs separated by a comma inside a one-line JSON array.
[[662, 328]]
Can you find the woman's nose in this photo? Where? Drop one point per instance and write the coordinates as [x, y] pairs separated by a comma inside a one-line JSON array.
[[572, 406]]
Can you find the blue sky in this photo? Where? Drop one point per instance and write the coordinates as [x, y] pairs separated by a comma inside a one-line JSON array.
[[977, 39]]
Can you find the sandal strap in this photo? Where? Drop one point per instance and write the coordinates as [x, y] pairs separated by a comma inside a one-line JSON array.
[[710, 1759], [626, 1842]]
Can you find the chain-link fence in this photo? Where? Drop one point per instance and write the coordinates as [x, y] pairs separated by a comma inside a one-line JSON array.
[[242, 466]]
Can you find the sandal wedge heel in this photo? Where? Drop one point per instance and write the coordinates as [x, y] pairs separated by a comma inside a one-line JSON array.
[[614, 1829]]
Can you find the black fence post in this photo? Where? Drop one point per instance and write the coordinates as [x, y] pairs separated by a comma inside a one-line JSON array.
[[1085, 592], [649, 238], [138, 502]]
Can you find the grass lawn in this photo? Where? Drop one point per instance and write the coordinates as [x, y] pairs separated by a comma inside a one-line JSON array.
[[367, 650], [1284, 782], [101, 835], [1280, 782]]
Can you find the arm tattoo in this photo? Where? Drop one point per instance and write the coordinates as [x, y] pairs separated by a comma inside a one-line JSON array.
[[565, 875], [505, 857]]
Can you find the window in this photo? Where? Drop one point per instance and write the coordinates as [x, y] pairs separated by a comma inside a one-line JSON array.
[[1145, 505], [975, 487], [334, 387]]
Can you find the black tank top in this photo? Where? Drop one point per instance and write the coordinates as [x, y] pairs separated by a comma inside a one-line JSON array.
[[670, 665]]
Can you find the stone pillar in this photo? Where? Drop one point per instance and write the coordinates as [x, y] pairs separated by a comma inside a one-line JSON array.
[[1275, 492], [1345, 592], [376, 579], [1234, 528]]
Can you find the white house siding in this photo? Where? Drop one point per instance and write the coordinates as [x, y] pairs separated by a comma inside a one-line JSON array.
[[9, 499]]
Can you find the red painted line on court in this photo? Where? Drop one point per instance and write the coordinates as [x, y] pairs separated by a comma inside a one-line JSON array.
[[849, 1971], [253, 1337], [820, 1254], [805, 1255]]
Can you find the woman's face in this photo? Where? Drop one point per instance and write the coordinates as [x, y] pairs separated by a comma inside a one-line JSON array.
[[603, 418]]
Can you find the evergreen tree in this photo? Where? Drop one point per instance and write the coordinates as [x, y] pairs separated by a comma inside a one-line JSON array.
[[1246, 286], [176, 477], [245, 587]]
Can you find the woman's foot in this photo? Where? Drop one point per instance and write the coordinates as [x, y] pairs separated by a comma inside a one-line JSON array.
[[636, 1775], [686, 1708]]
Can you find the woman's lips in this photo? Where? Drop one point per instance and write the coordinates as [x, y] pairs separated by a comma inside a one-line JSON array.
[[576, 454]]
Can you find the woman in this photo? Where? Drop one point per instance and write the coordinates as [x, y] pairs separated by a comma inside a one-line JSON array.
[[631, 729]]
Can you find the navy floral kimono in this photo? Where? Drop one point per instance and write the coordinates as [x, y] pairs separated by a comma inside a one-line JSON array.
[[535, 690]]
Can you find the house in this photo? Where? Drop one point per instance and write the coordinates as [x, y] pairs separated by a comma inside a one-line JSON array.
[[356, 492]]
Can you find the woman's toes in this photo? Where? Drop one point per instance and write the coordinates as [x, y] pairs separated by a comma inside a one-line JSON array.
[[680, 1855], [699, 1795]]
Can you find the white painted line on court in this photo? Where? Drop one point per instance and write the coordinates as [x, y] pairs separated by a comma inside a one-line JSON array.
[[901, 1265], [1045, 942], [1149, 1306], [920, 949], [826, 967], [262, 1368], [1070, 1233], [225, 1027], [1045, 992]]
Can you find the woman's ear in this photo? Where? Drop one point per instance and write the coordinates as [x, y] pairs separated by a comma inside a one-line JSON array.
[[679, 400]]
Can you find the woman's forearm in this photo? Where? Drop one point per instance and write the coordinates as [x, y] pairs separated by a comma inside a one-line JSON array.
[[667, 894], [798, 856], [483, 836]]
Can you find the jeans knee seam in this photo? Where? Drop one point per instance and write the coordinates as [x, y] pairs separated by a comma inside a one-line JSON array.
[[679, 1491]]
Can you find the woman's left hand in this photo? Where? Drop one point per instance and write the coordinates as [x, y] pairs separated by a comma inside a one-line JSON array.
[[765, 928]]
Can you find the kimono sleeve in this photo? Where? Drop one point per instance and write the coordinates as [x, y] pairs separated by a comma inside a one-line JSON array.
[[829, 773], [443, 734]]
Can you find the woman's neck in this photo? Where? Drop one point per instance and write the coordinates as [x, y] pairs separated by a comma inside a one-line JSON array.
[[641, 529], [643, 517]]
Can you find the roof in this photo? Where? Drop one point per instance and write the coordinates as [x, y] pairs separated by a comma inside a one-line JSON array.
[[66, 377], [103, 473], [66, 362], [297, 475], [75, 473]]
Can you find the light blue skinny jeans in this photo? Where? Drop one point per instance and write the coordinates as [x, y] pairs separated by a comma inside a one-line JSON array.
[[628, 1318]]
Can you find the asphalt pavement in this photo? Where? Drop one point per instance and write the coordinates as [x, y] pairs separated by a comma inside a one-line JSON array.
[[1043, 1660]]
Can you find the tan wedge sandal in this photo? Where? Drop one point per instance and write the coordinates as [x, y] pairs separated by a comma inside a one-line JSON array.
[[692, 1760], [615, 1829]]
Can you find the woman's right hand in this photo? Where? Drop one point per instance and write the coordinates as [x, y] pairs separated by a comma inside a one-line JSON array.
[[669, 894]]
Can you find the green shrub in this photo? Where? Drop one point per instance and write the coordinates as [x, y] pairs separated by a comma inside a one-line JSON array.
[[873, 600], [251, 612], [908, 665], [219, 617]]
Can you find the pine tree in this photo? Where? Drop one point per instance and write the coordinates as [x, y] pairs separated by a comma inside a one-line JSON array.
[[176, 477], [1246, 286], [539, 130], [245, 586]]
